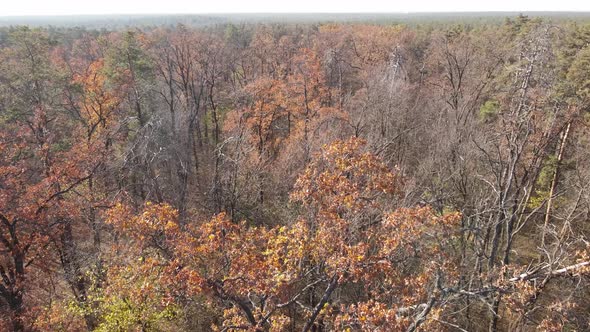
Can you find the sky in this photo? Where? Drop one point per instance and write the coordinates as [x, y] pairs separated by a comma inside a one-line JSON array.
[[77, 7]]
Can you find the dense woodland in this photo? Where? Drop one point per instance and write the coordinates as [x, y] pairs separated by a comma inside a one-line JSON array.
[[296, 177]]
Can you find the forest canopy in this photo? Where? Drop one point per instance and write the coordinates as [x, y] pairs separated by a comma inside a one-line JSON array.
[[296, 176]]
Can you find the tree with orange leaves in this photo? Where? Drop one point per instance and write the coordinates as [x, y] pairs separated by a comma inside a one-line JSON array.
[[37, 209], [99, 103], [348, 233], [40, 170], [48, 191]]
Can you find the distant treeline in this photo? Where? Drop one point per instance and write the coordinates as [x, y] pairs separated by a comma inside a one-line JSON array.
[[200, 20]]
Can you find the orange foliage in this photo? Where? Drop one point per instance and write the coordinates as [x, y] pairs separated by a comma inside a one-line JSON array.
[[99, 104], [348, 235]]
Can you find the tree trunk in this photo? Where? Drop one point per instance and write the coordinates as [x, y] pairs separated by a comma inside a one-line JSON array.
[[554, 182]]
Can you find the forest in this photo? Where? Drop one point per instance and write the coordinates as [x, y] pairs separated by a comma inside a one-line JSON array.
[[268, 176]]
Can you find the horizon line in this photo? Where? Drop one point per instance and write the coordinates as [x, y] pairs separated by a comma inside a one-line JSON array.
[[301, 13]]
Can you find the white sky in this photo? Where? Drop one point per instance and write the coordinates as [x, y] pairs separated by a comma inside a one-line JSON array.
[[74, 7]]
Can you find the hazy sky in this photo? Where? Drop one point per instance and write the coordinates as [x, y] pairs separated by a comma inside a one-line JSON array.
[[68, 7]]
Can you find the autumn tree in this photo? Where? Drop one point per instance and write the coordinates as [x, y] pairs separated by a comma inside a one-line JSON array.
[[271, 278]]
